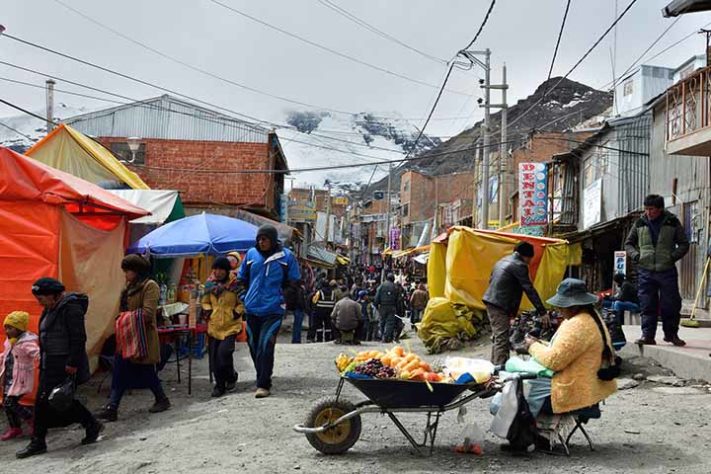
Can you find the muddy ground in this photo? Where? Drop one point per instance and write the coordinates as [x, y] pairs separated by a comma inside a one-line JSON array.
[[652, 428]]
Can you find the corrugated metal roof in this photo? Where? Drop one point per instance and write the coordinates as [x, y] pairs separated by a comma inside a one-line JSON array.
[[168, 118]]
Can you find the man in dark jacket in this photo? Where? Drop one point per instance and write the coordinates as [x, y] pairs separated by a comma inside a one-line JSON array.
[[655, 243], [346, 317], [509, 280], [387, 299], [62, 355]]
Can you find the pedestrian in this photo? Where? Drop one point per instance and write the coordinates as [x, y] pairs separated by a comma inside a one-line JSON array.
[[508, 282], [141, 293], [387, 299], [266, 270], [295, 299], [370, 316], [418, 303], [223, 309], [235, 260], [17, 372], [625, 299], [655, 243], [323, 300], [346, 318], [63, 357]]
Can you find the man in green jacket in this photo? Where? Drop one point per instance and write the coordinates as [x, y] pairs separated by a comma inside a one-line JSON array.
[[655, 243]]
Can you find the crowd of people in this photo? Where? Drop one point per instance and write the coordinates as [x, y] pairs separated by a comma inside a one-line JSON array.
[[253, 293]]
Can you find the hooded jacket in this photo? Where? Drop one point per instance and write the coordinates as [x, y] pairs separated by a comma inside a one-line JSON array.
[[26, 353], [265, 274], [62, 338]]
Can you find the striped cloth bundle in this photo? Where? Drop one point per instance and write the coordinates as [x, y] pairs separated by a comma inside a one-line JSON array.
[[131, 340]]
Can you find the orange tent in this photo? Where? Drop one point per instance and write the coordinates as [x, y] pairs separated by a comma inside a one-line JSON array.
[[55, 224]]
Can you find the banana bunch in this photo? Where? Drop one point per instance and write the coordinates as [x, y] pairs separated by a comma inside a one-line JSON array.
[[342, 362]]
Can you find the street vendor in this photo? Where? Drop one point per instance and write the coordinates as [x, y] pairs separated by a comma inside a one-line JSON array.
[[509, 280], [224, 310], [577, 352]]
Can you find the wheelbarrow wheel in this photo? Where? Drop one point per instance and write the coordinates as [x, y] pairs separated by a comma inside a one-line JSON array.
[[337, 439]]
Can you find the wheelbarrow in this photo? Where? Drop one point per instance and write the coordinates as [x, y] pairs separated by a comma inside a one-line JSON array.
[[333, 425]]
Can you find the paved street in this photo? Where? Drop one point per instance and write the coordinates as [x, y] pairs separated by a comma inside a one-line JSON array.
[[642, 430]]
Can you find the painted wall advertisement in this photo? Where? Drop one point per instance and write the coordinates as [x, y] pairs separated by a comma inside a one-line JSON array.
[[533, 193]]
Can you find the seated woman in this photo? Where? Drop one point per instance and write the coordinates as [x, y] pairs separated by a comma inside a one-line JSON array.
[[575, 354]]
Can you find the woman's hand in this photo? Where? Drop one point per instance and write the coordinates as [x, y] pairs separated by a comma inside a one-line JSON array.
[[528, 341]]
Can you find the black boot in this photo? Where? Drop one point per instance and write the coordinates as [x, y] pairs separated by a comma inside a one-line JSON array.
[[37, 446], [160, 405], [218, 391], [92, 432], [108, 413]]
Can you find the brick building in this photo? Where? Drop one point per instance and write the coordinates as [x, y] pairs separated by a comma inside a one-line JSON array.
[[195, 150]]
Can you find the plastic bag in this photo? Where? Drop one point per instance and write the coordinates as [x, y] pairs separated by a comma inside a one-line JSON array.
[[472, 435], [480, 369]]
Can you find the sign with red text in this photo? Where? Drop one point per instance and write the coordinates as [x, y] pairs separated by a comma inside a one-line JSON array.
[[533, 193]]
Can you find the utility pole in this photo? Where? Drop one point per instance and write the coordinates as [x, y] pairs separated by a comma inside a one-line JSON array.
[[504, 168], [328, 212], [485, 130], [50, 104], [475, 173], [389, 206]]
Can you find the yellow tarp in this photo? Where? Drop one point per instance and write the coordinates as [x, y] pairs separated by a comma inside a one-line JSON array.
[[459, 269], [72, 152]]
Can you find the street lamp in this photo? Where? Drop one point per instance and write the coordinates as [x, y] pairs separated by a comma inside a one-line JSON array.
[[134, 143]]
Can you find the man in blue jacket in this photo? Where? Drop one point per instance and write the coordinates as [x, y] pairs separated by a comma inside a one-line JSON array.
[[266, 270]]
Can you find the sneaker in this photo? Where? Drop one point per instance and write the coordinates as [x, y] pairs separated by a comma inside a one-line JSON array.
[[675, 340], [645, 341], [92, 433], [108, 413], [11, 433], [160, 406], [35, 448], [262, 393], [218, 392]]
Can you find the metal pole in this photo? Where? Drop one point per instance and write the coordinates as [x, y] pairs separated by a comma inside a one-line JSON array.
[[387, 225], [486, 129], [504, 157], [328, 213], [50, 104], [475, 187]]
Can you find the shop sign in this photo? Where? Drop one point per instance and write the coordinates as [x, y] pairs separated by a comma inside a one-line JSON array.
[[620, 262], [533, 193], [302, 213]]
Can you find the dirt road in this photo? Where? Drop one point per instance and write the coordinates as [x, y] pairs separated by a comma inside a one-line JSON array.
[[650, 428]]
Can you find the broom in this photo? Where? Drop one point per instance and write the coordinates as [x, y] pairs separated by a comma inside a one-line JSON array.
[[691, 322]]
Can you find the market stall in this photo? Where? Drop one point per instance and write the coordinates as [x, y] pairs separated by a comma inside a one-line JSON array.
[[57, 225], [458, 270]]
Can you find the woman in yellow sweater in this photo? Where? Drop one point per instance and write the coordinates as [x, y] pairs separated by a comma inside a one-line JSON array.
[[576, 352], [221, 304]]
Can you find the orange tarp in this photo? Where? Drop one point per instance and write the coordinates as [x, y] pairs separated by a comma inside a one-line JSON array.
[[54, 224]]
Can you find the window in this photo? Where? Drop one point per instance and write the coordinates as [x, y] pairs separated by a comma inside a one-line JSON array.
[[123, 153], [405, 210], [628, 87], [406, 186]]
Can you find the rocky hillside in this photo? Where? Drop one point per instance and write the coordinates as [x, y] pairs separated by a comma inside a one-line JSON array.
[[569, 104]]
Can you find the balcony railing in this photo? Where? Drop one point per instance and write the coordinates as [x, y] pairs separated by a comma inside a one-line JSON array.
[[689, 105]]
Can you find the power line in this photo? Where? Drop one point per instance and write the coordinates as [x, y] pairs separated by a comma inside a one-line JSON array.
[[31, 114], [560, 35], [326, 48], [446, 77], [481, 27], [587, 53], [201, 117], [359, 21], [17, 131]]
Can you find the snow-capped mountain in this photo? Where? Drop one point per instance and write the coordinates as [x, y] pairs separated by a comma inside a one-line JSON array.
[[323, 139], [31, 129]]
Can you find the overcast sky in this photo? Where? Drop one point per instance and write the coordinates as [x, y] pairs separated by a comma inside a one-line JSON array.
[[520, 33]]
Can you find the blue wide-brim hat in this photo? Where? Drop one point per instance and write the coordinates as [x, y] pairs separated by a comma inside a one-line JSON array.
[[572, 292]]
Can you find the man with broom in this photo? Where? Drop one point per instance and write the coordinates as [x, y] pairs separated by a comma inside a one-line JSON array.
[[655, 243]]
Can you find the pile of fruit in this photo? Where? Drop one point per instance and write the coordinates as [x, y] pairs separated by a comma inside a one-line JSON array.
[[396, 363]]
